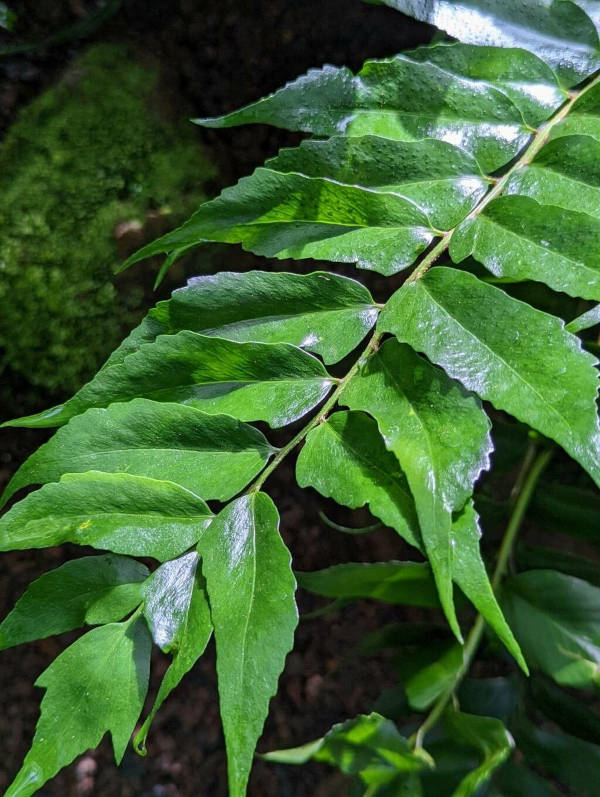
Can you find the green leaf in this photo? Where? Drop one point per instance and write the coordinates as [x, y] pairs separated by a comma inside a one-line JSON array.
[[277, 383], [518, 238], [321, 312], [117, 512], [8, 17], [440, 436], [516, 357], [215, 456], [515, 780], [564, 758], [444, 181], [96, 685], [583, 117], [485, 734], [428, 683], [558, 32], [571, 714], [394, 98], [526, 79], [370, 474], [92, 590], [290, 215], [564, 173], [251, 592], [408, 583], [368, 745], [589, 319], [535, 557], [179, 618], [568, 510], [556, 619]]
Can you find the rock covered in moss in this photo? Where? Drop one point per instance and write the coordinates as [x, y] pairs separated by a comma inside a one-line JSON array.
[[86, 164]]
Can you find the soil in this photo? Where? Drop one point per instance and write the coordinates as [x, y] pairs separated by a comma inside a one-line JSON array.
[[213, 57]]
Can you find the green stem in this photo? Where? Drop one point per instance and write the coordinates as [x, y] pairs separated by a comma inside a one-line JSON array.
[[474, 638]]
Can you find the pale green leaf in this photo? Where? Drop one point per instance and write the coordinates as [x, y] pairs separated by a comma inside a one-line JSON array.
[[518, 238], [92, 590], [112, 511], [558, 31], [589, 319], [321, 312], [395, 98], [96, 685], [518, 358], [440, 436], [277, 383], [428, 683], [179, 618], [215, 456], [251, 587]]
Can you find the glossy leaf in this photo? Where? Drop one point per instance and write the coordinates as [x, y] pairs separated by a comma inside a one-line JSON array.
[[485, 734], [368, 745], [564, 173], [556, 619], [91, 590], [179, 618], [277, 383], [215, 456], [395, 98], [321, 312], [443, 180], [251, 592], [526, 79], [425, 685], [440, 436], [516, 357], [96, 685], [559, 32], [518, 238], [408, 583], [117, 512], [291, 215], [370, 474], [583, 117]]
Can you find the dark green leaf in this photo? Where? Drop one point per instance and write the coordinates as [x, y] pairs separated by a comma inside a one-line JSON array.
[[556, 619], [395, 98], [440, 436], [321, 312], [535, 557], [368, 745], [370, 474], [291, 215], [8, 17], [519, 358], [179, 618], [444, 181], [518, 238], [559, 32], [251, 591], [573, 715], [92, 590], [215, 456], [96, 685], [485, 734], [515, 780], [117, 512], [407, 583], [277, 383]]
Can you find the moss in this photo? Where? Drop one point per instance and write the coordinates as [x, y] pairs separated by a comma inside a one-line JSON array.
[[89, 153]]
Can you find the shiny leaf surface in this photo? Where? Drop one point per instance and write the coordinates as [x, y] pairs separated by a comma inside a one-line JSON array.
[[251, 587], [276, 383], [92, 590], [516, 357], [440, 436], [215, 456], [96, 685], [117, 512]]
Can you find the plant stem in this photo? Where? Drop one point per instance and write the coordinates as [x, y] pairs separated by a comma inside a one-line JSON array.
[[370, 348], [528, 483]]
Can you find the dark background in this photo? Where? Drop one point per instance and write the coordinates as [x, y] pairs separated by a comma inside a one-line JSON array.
[[213, 57]]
